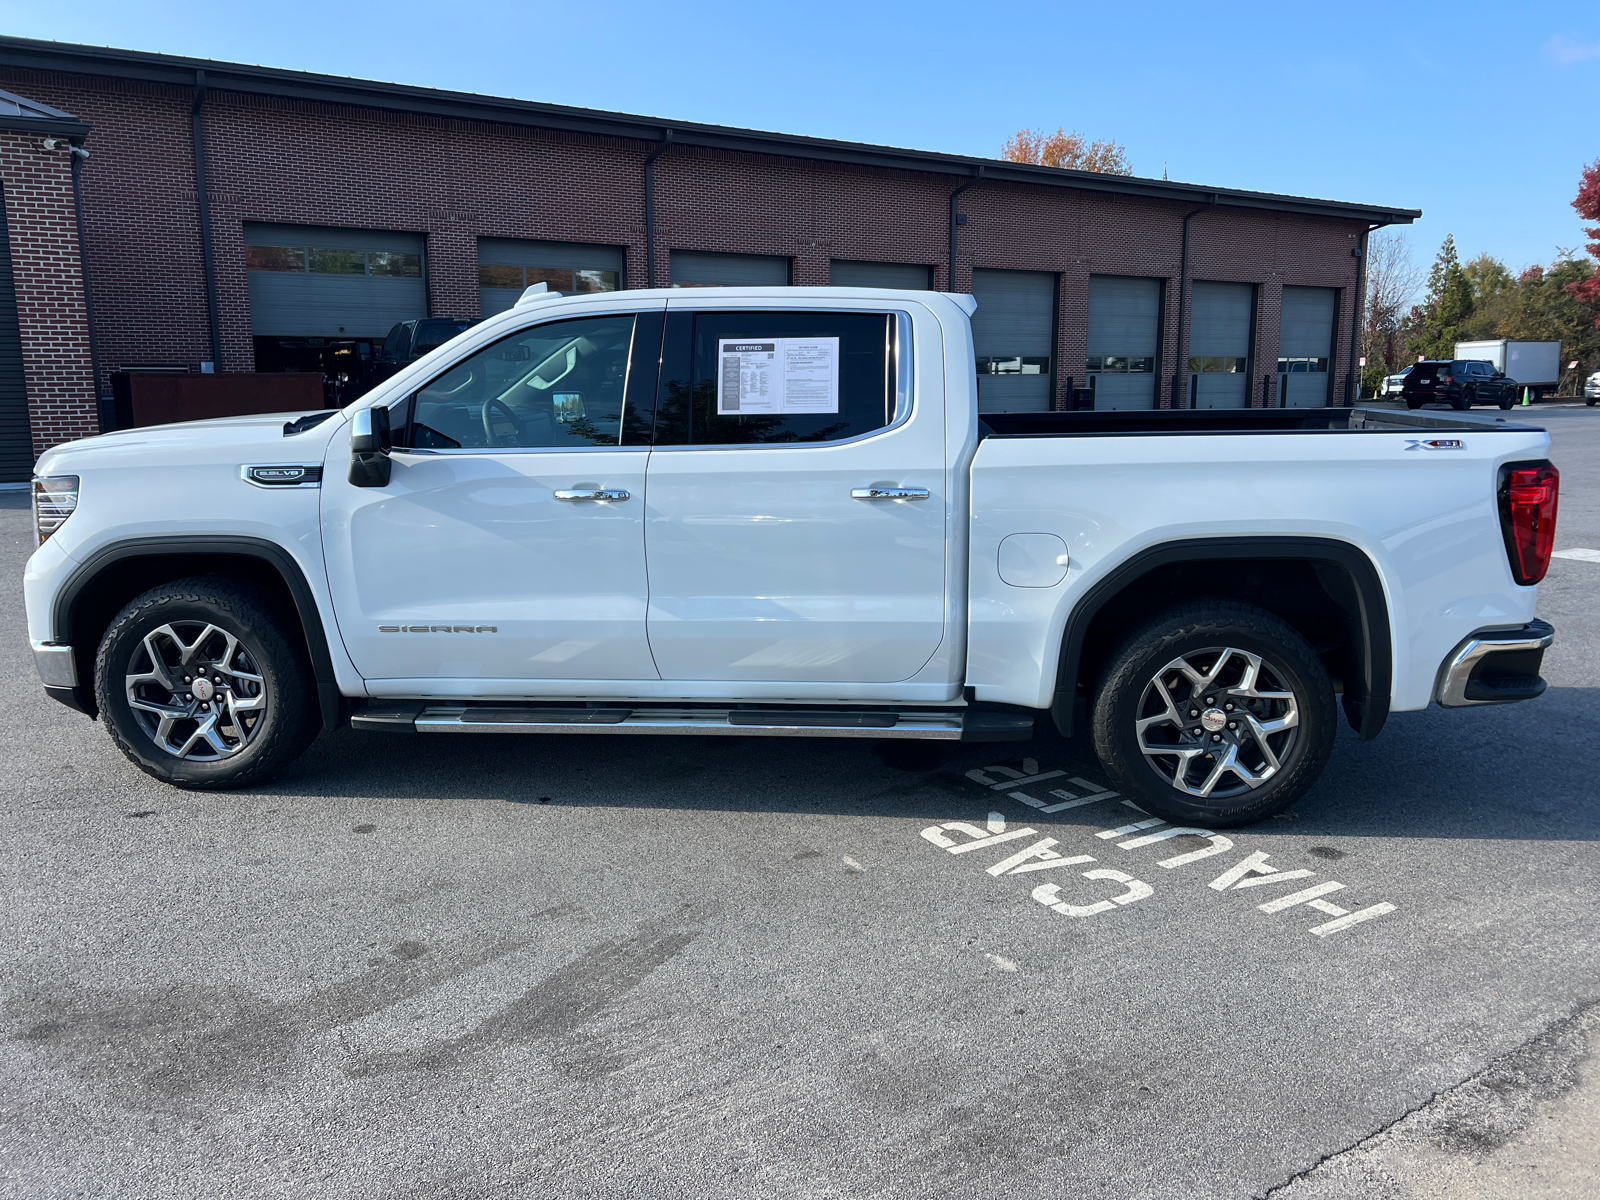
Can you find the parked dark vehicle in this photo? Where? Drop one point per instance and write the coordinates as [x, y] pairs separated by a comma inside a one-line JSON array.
[[410, 340], [1458, 382]]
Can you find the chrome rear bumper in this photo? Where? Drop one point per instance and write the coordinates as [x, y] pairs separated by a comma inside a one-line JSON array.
[[1495, 666]]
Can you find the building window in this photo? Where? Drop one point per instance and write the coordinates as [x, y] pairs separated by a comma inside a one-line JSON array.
[[392, 263], [274, 258], [1211, 365], [324, 261], [1297, 365], [595, 281], [559, 279], [338, 262], [497, 275], [1116, 365], [1019, 365]]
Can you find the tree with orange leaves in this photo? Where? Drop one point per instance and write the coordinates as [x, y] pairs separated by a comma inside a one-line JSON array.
[[1070, 151]]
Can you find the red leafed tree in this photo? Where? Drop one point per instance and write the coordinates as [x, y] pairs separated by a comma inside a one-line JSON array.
[[1588, 206]]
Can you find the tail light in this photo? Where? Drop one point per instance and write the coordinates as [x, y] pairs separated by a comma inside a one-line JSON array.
[[1447, 379], [1528, 495]]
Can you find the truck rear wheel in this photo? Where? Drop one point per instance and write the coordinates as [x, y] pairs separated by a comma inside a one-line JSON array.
[[201, 687], [1214, 714]]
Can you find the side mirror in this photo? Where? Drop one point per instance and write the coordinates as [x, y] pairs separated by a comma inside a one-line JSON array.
[[369, 448]]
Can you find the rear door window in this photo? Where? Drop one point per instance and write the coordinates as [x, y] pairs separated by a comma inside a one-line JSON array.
[[776, 378]]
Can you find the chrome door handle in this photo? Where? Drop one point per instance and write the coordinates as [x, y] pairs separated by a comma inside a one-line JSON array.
[[592, 494], [889, 493]]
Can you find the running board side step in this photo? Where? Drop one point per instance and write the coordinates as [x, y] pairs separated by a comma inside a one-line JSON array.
[[935, 724]]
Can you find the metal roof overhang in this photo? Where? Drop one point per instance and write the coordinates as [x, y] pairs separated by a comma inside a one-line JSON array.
[[393, 97]]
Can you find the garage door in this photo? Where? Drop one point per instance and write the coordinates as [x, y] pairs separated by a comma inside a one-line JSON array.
[[16, 436], [1124, 328], [508, 265], [1219, 344], [1013, 335], [1305, 347], [846, 273], [310, 281], [690, 269]]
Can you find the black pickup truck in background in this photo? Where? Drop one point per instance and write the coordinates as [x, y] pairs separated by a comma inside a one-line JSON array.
[[410, 340], [1460, 383]]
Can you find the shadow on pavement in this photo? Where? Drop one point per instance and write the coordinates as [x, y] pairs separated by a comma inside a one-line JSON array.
[[1523, 772]]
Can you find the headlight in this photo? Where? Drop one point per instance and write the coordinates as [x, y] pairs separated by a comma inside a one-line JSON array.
[[54, 499]]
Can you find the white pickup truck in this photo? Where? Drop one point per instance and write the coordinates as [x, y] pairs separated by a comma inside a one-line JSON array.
[[779, 512]]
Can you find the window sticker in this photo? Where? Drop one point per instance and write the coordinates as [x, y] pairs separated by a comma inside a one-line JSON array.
[[779, 375]]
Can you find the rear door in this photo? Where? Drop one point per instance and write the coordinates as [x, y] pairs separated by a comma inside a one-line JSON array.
[[1423, 381], [796, 518]]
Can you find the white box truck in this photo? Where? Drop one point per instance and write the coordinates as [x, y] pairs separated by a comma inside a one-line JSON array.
[[1535, 365]]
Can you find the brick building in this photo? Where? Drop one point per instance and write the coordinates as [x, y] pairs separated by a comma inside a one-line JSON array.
[[241, 219]]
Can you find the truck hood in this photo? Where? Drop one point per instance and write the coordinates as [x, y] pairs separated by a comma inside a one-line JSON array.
[[259, 438]]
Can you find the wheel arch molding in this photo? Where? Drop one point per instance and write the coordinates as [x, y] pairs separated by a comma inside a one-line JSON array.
[[82, 609], [1344, 573]]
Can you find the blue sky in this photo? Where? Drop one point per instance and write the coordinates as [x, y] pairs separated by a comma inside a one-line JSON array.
[[1482, 115]]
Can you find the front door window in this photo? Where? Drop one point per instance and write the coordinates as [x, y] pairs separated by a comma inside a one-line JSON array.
[[560, 385]]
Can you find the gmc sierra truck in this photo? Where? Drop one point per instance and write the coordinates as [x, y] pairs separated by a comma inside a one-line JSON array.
[[780, 512]]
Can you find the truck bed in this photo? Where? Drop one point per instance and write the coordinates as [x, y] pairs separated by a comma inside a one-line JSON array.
[[1166, 421]]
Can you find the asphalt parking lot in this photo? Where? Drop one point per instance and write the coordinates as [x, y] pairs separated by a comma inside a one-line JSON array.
[[529, 967]]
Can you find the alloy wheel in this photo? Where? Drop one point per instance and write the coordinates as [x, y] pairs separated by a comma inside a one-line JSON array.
[[1217, 722], [196, 691]]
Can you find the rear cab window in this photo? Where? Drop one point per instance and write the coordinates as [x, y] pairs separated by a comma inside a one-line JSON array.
[[742, 378]]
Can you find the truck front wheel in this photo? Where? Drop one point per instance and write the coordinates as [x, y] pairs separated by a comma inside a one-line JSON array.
[[1214, 714], [201, 687]]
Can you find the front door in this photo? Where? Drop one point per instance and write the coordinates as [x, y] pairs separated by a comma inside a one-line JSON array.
[[796, 516], [508, 546]]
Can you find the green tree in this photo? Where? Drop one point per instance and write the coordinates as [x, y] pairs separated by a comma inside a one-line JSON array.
[[1436, 324], [1442, 266], [1541, 304]]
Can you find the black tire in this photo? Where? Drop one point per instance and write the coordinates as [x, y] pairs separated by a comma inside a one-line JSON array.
[[1127, 690], [275, 717], [1468, 399], [1506, 404], [1413, 404]]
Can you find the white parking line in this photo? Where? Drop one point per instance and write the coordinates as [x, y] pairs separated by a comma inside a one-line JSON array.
[[1305, 897], [1042, 855], [1580, 554], [1355, 918]]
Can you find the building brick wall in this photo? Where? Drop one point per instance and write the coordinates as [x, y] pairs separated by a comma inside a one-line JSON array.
[[49, 283], [285, 160]]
